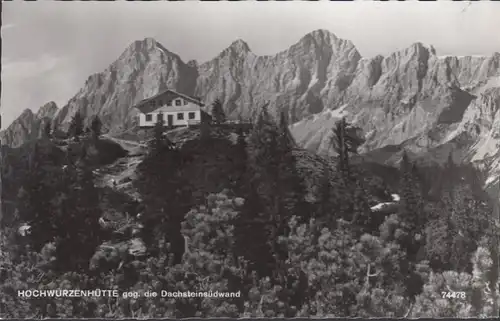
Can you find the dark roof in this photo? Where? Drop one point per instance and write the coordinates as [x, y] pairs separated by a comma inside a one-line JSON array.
[[188, 98]]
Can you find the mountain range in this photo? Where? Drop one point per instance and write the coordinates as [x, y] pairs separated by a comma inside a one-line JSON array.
[[412, 99]]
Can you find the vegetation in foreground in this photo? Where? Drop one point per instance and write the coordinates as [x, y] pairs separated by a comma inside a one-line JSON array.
[[255, 223]]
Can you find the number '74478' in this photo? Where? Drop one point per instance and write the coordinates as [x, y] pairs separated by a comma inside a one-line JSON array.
[[453, 295]]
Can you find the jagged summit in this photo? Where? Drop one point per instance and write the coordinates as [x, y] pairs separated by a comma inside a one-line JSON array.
[[421, 47], [47, 110], [320, 36], [240, 45], [145, 46], [147, 43], [322, 33], [323, 39], [26, 113]]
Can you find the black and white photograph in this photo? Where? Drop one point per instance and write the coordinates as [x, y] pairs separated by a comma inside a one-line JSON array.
[[250, 159]]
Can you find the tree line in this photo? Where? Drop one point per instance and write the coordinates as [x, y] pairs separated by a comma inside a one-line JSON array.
[[292, 249], [76, 128]]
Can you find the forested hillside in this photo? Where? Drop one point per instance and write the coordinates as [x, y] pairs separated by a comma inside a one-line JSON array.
[[297, 234]]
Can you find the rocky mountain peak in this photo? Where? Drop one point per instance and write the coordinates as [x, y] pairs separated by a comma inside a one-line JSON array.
[[417, 51], [322, 34], [146, 44], [322, 41], [322, 37], [150, 42], [419, 46], [240, 46], [25, 128], [47, 110], [143, 49], [27, 113]]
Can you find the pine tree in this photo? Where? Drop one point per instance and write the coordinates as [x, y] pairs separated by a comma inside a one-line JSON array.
[[361, 213], [264, 152], [263, 173], [344, 141], [240, 185], [54, 131], [241, 140], [291, 184], [166, 195], [411, 206], [34, 200], [76, 126], [205, 130], [47, 130], [76, 216], [157, 143], [274, 177], [440, 234], [493, 236], [218, 114], [325, 193], [96, 127]]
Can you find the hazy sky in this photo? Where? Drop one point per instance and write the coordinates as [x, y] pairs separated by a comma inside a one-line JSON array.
[[50, 48]]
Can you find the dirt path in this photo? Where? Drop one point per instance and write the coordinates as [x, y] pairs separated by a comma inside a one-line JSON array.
[[120, 174]]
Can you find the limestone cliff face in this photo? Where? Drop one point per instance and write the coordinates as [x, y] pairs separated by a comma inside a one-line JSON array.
[[303, 80], [412, 98], [415, 93]]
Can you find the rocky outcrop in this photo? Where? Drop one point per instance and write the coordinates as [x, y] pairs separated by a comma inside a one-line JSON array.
[[28, 125]]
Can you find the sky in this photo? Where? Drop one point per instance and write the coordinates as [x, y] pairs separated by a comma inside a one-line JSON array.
[[50, 48]]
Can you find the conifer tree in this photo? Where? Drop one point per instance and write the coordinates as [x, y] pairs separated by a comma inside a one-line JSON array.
[[218, 114], [325, 193], [291, 184], [158, 142], [440, 235], [263, 170], [274, 178], [164, 191], [76, 216], [340, 143], [242, 158], [361, 213], [241, 140], [96, 127], [263, 163], [47, 130], [411, 209], [76, 126], [345, 142], [34, 200]]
